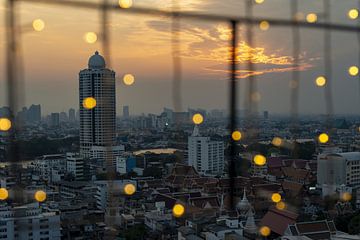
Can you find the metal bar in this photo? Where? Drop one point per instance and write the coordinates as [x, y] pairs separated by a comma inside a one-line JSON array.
[[197, 15], [11, 66], [176, 60], [294, 82], [328, 67], [233, 98]]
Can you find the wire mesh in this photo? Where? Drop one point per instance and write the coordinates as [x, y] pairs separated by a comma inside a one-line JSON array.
[[14, 73]]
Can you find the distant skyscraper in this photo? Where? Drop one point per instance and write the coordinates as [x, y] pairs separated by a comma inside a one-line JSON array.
[[63, 117], [34, 113], [55, 119], [205, 155], [97, 125], [126, 113], [72, 117], [266, 114]]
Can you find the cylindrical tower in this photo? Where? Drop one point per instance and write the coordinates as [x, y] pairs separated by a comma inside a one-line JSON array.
[[97, 125]]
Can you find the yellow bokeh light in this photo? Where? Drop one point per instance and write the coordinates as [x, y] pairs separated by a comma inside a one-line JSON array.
[[89, 103], [4, 194], [38, 25], [40, 196], [90, 37], [264, 25], [353, 13], [236, 135], [125, 3], [5, 124], [353, 70], [311, 18], [198, 118], [346, 196], [276, 197], [256, 97], [129, 189], [129, 79], [259, 160], [178, 210], [280, 205], [265, 231], [277, 141], [323, 138], [259, 1], [320, 81]]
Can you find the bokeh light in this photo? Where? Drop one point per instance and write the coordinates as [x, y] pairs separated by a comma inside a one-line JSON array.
[[323, 138], [90, 37], [128, 79], [277, 141], [197, 118], [5, 124], [353, 14], [129, 189], [346, 196], [264, 25], [40, 196], [320, 81], [353, 70], [178, 210], [259, 160], [259, 1], [276, 197], [89, 103], [4, 194], [125, 3], [236, 135], [256, 97], [311, 18], [265, 231], [38, 25], [280, 205]]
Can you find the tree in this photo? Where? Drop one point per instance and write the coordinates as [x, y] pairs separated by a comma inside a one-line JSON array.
[[354, 225]]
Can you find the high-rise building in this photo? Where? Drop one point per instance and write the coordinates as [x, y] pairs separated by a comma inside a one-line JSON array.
[[126, 113], [266, 114], [72, 116], [63, 117], [34, 113], [97, 125], [205, 155], [55, 119]]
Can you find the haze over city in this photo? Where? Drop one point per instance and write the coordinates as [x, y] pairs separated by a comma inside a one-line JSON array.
[[141, 46]]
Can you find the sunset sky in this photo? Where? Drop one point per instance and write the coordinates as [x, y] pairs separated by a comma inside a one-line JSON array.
[[140, 45]]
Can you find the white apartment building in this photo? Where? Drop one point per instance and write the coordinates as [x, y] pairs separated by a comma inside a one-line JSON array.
[[336, 169], [28, 222], [75, 165], [97, 125], [46, 166], [107, 154], [205, 155]]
